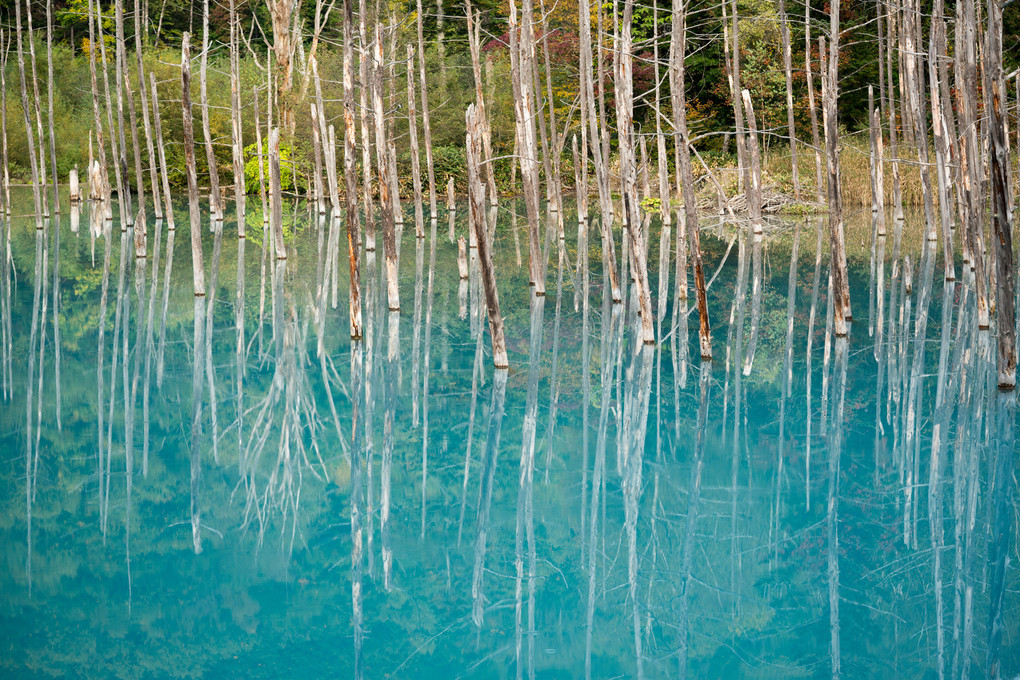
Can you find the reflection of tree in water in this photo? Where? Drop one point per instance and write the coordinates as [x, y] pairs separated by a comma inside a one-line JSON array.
[[287, 423]]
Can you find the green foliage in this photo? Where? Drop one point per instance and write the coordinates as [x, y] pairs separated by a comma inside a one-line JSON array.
[[450, 161], [288, 174], [651, 205]]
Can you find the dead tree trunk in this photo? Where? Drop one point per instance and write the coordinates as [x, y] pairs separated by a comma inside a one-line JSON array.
[[476, 216], [276, 195], [383, 171], [754, 188], [941, 145], [891, 39], [425, 121], [1002, 210], [281, 12], [26, 113], [912, 29], [146, 123], [168, 203], [970, 159], [237, 147], [594, 139], [731, 47], [210, 156], [678, 50], [126, 94], [527, 146], [628, 172], [475, 45], [351, 172], [49, 98], [197, 260], [412, 126], [877, 167], [837, 244], [815, 141], [788, 70]]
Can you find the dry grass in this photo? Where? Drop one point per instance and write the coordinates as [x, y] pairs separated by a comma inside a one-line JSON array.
[[855, 173]]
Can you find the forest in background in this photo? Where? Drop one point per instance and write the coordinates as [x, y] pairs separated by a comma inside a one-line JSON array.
[[710, 111]]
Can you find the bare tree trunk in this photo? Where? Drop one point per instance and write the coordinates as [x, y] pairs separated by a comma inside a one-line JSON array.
[[116, 145], [523, 81], [677, 54], [555, 179], [215, 207], [665, 207], [877, 167], [49, 98], [914, 86], [383, 169], [318, 141], [26, 114], [276, 196], [329, 147], [351, 173], [476, 216], [788, 70], [365, 70], [197, 260], [281, 12], [891, 39], [815, 142], [970, 160], [5, 45], [628, 171], [941, 144], [733, 73], [38, 111], [125, 94], [837, 244], [162, 154], [1002, 209], [474, 43], [412, 126], [594, 139], [425, 121], [754, 188], [237, 147]]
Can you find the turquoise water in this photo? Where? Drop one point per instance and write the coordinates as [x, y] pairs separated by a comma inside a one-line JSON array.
[[603, 508]]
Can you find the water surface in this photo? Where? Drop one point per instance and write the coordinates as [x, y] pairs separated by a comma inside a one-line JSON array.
[[230, 488]]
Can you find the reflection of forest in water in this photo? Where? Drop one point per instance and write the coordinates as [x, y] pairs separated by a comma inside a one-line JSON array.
[[229, 486]]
